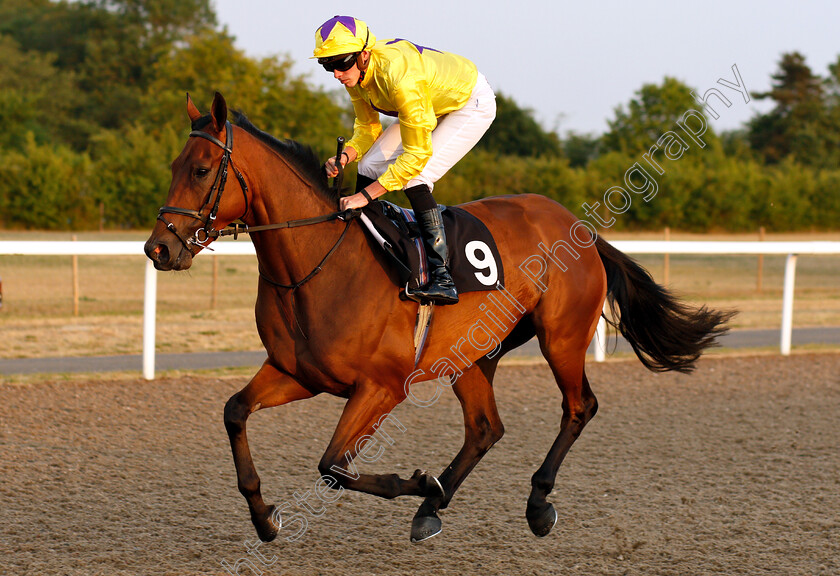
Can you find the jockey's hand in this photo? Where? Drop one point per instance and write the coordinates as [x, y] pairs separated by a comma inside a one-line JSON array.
[[354, 201], [347, 156], [331, 168]]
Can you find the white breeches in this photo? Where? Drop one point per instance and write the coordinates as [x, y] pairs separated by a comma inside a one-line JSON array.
[[454, 136]]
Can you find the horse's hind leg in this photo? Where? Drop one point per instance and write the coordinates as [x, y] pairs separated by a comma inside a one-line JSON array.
[[579, 406], [482, 429], [269, 387]]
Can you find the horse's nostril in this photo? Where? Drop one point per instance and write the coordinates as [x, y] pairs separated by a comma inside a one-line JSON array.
[[157, 253], [161, 253]]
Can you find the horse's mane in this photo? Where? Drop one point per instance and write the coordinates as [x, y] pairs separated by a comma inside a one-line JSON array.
[[299, 155]]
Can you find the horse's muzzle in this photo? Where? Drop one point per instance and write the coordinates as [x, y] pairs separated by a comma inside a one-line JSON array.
[[167, 255]]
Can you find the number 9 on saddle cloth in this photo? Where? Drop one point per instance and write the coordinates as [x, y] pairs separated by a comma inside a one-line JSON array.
[[475, 263]]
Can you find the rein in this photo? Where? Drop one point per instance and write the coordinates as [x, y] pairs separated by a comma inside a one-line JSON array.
[[310, 276], [208, 232]]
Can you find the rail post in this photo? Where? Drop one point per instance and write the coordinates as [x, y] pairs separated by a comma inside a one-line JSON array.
[[601, 338], [149, 312], [787, 303]]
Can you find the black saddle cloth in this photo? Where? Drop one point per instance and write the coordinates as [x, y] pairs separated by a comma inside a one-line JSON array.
[[474, 259]]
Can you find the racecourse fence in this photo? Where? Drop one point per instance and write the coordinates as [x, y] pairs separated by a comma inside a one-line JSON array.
[[245, 248]]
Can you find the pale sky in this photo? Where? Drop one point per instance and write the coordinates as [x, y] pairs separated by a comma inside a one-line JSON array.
[[571, 62]]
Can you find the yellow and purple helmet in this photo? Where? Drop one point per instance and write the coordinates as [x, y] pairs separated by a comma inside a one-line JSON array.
[[342, 35]]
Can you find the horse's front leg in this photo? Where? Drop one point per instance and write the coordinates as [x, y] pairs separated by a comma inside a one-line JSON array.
[[269, 387], [482, 429], [367, 410]]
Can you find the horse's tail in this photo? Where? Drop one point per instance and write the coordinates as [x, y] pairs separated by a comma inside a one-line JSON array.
[[665, 333]]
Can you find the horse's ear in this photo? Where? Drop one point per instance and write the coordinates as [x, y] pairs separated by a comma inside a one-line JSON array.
[[192, 110], [219, 112]]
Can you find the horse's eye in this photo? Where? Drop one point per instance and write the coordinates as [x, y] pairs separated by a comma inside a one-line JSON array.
[[201, 172]]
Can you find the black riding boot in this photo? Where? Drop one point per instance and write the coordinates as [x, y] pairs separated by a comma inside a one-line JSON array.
[[440, 289]]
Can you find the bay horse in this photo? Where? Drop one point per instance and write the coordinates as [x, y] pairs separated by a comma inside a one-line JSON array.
[[331, 321]]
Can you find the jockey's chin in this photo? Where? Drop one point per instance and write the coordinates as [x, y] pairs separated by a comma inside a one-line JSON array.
[[349, 77]]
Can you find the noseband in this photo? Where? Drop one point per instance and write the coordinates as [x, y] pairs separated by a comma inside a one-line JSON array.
[[207, 231]]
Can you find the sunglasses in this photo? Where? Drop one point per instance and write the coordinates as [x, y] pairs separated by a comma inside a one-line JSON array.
[[342, 63]]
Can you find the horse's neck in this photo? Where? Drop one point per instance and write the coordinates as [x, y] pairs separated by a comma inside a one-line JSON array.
[[281, 194]]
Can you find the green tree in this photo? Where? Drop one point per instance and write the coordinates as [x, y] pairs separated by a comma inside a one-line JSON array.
[[736, 144], [273, 98], [164, 22], [131, 172], [291, 108], [483, 173], [825, 201], [46, 187], [57, 28], [37, 98], [654, 111], [515, 132], [203, 64], [793, 127], [101, 50], [110, 46], [581, 149], [830, 152]]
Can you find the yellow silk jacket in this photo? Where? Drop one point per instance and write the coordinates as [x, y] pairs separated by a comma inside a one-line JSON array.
[[416, 84]]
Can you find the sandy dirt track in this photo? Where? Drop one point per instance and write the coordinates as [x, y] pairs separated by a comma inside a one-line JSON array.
[[733, 470]]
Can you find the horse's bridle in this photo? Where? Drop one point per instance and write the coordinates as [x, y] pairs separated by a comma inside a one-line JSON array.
[[207, 231]]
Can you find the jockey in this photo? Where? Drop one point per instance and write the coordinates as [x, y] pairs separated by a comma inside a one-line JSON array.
[[443, 106]]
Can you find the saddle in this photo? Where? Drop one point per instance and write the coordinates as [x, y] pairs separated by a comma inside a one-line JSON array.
[[474, 260]]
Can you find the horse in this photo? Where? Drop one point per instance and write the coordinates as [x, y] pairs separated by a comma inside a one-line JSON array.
[[330, 318]]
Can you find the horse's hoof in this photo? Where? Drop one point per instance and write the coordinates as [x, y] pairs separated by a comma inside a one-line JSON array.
[[542, 521], [424, 527], [430, 486], [267, 525]]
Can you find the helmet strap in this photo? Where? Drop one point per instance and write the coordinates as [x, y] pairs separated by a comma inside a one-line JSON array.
[[360, 62]]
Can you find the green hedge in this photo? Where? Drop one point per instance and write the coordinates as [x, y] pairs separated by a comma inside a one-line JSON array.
[[54, 187], [706, 191]]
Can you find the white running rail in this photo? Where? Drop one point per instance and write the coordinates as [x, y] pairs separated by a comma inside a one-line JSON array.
[[244, 248]]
